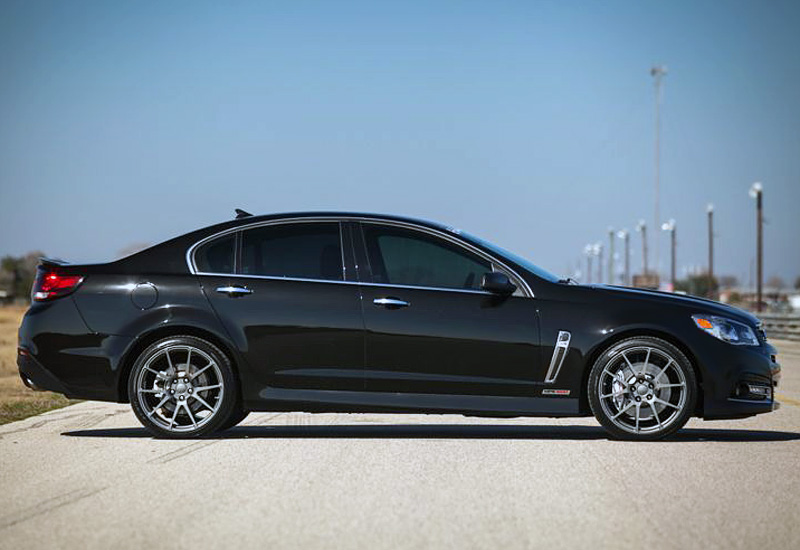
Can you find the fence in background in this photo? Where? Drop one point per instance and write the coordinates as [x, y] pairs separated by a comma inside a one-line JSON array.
[[786, 327]]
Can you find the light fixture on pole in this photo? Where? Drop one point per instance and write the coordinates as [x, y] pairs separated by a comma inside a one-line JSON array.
[[670, 226], [626, 236], [641, 227], [756, 192]]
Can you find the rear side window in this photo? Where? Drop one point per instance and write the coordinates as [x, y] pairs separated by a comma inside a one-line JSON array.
[[404, 257], [216, 256], [303, 250]]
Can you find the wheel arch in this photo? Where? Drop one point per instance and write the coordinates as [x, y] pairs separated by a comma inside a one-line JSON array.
[[603, 345], [148, 338]]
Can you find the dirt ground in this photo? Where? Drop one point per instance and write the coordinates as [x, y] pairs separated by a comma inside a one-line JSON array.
[[17, 401]]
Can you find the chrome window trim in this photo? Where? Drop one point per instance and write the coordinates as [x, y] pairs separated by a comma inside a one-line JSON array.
[[333, 281], [521, 283]]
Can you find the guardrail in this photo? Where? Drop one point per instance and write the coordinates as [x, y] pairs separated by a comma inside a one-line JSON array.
[[786, 327]]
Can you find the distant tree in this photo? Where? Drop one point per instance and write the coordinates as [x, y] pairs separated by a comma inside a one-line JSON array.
[[698, 285], [18, 273], [776, 282]]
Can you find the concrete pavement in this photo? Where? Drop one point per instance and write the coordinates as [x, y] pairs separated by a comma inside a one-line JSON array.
[[89, 476]]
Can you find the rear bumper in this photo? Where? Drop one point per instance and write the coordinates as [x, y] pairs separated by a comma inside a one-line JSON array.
[[36, 377]]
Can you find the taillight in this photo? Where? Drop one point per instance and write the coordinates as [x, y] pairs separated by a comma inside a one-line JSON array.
[[52, 284]]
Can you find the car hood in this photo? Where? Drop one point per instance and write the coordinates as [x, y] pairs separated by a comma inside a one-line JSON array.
[[701, 305]]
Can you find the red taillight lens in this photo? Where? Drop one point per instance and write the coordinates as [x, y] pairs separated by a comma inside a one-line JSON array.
[[52, 284]]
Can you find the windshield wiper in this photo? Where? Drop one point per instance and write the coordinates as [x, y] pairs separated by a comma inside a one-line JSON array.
[[568, 281]]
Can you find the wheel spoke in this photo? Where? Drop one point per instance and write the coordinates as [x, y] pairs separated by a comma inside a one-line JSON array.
[[629, 363], [198, 373], [146, 390], [158, 373], [202, 401], [174, 415], [638, 409], [169, 361], [623, 410], [188, 359], [160, 404], [655, 413], [204, 388], [681, 385], [666, 403], [662, 371], [646, 360], [191, 416], [612, 394]]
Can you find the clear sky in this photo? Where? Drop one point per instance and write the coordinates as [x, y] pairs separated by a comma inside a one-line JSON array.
[[527, 123]]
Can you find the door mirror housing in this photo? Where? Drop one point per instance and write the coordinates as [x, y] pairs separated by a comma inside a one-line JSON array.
[[498, 283]]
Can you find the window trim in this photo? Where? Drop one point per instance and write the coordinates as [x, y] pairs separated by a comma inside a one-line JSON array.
[[497, 265]]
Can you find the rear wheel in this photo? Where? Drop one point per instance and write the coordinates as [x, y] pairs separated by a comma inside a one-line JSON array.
[[642, 388], [183, 386]]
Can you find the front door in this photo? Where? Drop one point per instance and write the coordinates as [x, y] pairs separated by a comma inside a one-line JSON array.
[[430, 327]]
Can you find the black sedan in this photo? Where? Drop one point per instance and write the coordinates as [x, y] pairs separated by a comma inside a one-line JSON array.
[[346, 312]]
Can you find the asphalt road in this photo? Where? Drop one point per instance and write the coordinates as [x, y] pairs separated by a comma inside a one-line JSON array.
[[89, 477]]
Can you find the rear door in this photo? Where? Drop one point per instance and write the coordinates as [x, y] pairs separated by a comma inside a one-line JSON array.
[[430, 327], [283, 292]]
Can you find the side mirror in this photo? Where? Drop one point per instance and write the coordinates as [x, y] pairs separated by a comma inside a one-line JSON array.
[[498, 283]]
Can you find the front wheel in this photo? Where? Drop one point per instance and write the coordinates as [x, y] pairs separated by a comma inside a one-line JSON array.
[[642, 388], [182, 386]]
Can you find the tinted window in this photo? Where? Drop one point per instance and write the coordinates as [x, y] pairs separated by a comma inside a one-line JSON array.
[[303, 250], [404, 257], [216, 256]]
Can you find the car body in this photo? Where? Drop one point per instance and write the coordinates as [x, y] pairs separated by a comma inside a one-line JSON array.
[[353, 312]]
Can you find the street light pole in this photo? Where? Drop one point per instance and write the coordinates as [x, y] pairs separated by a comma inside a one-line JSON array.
[[588, 250], [710, 210], [611, 256], [756, 192], [657, 72], [642, 228], [598, 250], [626, 236], [670, 226]]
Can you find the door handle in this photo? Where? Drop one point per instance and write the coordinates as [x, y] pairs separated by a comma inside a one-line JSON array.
[[390, 303], [234, 291]]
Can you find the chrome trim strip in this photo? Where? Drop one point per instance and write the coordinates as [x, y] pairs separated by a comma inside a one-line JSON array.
[[521, 283], [304, 280], [559, 353]]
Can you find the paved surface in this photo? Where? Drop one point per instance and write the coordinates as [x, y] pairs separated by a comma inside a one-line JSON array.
[[89, 477]]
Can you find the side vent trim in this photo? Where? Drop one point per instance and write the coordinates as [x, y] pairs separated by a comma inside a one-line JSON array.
[[559, 353]]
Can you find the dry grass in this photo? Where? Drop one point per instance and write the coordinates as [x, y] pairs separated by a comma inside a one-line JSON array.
[[17, 401]]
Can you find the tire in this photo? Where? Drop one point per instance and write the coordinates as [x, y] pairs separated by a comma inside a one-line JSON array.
[[183, 387], [642, 389], [235, 419]]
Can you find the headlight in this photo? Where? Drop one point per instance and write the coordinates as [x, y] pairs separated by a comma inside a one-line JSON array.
[[730, 331]]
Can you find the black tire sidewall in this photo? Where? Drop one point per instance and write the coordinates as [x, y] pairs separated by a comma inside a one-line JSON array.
[[683, 363], [230, 397]]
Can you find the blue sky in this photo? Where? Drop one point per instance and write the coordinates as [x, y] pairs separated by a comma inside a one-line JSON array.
[[527, 123]]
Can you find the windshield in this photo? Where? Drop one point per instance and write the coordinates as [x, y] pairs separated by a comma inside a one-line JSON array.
[[517, 259]]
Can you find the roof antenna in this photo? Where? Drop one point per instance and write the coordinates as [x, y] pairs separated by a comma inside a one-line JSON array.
[[242, 214]]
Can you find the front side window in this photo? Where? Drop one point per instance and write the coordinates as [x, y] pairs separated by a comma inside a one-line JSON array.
[[216, 256], [405, 257], [301, 250]]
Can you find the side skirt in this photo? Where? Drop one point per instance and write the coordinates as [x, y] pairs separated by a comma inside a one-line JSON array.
[[282, 399]]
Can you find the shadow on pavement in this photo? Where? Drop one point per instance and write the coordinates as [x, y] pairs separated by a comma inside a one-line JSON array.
[[445, 431]]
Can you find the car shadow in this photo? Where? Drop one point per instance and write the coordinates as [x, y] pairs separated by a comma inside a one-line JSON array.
[[445, 431]]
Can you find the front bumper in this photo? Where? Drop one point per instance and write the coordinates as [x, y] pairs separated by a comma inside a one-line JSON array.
[[740, 381]]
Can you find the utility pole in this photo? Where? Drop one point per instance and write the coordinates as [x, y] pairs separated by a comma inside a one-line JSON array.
[[598, 250], [588, 250], [657, 72], [756, 192], [626, 236], [670, 226], [611, 256], [641, 227], [710, 210]]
